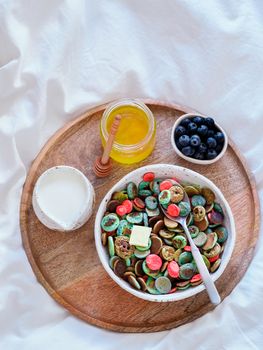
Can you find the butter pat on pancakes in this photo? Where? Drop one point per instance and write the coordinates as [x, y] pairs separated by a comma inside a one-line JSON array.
[[140, 235], [63, 198]]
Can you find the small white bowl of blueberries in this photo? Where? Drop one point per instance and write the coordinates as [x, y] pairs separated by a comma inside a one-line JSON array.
[[198, 139]]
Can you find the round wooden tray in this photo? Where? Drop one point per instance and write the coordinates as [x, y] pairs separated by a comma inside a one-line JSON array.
[[67, 264]]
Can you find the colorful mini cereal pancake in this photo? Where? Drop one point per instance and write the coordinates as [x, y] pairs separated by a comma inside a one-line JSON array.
[[200, 239], [148, 177], [155, 186], [183, 285], [177, 253], [164, 266], [186, 271], [111, 246], [173, 290], [139, 203], [213, 252], [170, 224], [151, 202], [138, 268], [198, 200], [185, 257], [152, 213], [163, 285], [134, 218], [165, 185], [202, 225], [167, 253], [128, 205], [157, 244], [218, 208], [222, 234], [121, 210], [164, 197], [154, 219], [104, 238], [173, 269], [214, 258], [150, 283], [168, 241], [123, 248], [110, 222], [122, 225], [133, 282], [120, 196], [142, 284], [132, 190], [208, 195], [154, 262], [166, 234], [206, 261], [158, 226], [145, 193], [141, 254], [177, 194], [190, 219], [194, 230], [199, 213], [173, 210], [112, 205], [191, 190], [119, 268], [187, 248], [127, 274], [148, 271], [179, 242], [196, 278], [215, 265], [215, 217], [143, 185], [113, 259], [209, 207], [145, 220], [184, 208], [211, 241]]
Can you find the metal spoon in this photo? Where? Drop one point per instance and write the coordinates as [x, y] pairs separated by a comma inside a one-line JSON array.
[[208, 282]]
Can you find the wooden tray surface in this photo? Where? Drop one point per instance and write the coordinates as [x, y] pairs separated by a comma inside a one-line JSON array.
[[67, 265]]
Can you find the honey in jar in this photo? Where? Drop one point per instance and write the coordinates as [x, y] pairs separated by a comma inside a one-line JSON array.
[[135, 138]]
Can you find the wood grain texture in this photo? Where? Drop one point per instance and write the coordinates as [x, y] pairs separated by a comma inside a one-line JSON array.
[[67, 265]]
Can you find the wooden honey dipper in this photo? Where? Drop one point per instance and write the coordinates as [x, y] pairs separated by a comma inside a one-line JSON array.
[[103, 165]]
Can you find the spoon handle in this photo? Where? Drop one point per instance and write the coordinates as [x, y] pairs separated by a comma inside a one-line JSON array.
[[206, 277]]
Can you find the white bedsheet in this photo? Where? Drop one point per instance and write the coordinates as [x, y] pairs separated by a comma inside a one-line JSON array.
[[58, 58]]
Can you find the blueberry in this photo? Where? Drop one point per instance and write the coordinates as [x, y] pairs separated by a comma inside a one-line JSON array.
[[202, 130], [188, 151], [185, 122], [192, 128], [184, 140], [210, 133], [180, 130], [178, 145], [219, 136], [211, 154], [211, 142], [219, 148], [210, 122], [199, 155], [198, 120], [202, 147], [195, 141]]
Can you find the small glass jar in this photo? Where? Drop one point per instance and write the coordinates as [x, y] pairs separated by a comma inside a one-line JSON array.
[[135, 138]]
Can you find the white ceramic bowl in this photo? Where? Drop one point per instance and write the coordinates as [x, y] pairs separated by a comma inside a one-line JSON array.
[[193, 160], [182, 174], [57, 175]]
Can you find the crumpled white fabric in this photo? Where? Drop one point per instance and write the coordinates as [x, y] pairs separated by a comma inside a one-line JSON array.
[[58, 58]]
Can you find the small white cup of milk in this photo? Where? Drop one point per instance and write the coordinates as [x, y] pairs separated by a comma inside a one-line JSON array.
[[63, 198]]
